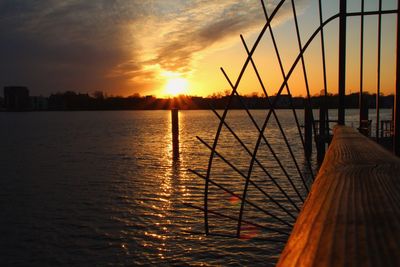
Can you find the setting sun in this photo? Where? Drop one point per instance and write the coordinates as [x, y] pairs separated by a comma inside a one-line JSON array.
[[176, 86]]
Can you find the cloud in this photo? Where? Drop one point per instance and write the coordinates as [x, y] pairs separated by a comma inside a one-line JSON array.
[[115, 45], [206, 23], [201, 25]]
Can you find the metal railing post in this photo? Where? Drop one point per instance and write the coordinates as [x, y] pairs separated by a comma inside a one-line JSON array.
[[308, 129], [378, 86], [396, 134], [362, 105], [342, 62]]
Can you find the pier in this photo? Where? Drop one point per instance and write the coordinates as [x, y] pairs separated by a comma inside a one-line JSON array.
[[352, 214], [340, 192]]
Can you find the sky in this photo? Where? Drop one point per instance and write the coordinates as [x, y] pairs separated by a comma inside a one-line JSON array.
[[126, 47]]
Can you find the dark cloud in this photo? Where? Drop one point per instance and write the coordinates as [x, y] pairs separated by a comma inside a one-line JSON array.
[[54, 45]]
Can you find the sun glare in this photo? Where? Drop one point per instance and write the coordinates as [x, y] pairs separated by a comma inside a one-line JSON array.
[[176, 86]]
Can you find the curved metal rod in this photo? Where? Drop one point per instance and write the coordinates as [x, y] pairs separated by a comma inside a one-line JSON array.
[[303, 64], [281, 130], [275, 100], [287, 88], [261, 166], [234, 219], [269, 115], [251, 182], [230, 192], [226, 111], [229, 236], [267, 143]]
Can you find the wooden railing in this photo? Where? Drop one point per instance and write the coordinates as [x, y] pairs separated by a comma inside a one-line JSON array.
[[352, 214]]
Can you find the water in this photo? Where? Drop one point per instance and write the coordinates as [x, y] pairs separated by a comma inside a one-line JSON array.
[[101, 189]]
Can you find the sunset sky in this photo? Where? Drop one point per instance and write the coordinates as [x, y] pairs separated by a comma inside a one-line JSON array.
[[123, 47]]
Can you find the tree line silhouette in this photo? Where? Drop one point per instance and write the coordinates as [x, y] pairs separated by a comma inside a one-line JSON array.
[[75, 101], [71, 100]]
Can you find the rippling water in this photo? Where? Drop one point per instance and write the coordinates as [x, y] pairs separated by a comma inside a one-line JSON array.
[[101, 189]]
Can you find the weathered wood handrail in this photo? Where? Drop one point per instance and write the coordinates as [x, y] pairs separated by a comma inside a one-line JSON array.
[[352, 214]]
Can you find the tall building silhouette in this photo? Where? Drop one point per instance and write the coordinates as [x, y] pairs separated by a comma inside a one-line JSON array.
[[16, 98]]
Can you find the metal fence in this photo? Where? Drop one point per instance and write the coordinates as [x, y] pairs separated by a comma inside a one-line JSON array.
[[268, 192]]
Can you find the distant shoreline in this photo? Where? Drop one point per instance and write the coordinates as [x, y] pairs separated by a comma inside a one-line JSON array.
[[71, 101], [199, 109]]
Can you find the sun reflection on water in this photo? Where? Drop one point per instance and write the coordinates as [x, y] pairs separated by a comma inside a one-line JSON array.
[[157, 216], [120, 194], [170, 193]]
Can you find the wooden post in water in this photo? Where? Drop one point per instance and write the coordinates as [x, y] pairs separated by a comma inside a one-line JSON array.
[[175, 132], [307, 130]]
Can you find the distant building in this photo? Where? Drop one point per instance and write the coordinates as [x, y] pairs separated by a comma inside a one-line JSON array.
[[39, 103], [16, 98], [283, 101]]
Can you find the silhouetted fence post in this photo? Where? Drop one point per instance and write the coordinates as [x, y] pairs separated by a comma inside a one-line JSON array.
[[365, 123], [322, 133], [307, 130], [342, 62], [175, 132], [363, 109], [396, 134]]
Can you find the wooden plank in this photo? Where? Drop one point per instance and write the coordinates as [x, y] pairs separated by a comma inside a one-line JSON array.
[[352, 214]]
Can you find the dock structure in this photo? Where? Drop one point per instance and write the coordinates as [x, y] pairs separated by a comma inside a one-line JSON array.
[[349, 214], [352, 214]]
